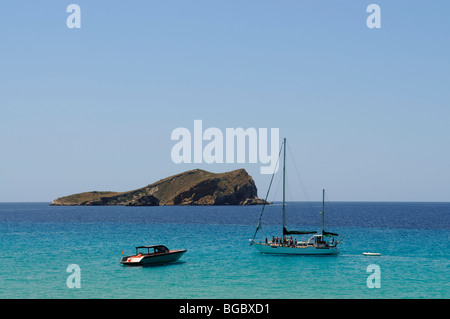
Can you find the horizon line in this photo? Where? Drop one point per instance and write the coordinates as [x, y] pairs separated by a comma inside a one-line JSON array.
[[276, 201]]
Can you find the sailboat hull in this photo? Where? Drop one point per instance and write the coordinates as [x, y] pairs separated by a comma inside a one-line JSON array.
[[305, 250]]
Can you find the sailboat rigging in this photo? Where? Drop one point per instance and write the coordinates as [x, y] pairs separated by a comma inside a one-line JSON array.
[[318, 244]]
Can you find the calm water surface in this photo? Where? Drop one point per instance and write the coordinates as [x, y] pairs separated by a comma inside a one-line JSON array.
[[38, 242]]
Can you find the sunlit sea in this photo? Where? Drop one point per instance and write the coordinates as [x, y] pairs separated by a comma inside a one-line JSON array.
[[38, 242]]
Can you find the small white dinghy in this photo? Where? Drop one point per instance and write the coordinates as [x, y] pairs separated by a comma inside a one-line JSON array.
[[371, 254]]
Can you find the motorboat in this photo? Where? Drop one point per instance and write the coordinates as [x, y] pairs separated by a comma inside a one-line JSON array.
[[152, 254]]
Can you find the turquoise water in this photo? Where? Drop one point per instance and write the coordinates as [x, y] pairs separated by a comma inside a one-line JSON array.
[[38, 243]]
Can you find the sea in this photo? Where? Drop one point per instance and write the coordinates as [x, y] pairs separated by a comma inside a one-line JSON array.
[[53, 252]]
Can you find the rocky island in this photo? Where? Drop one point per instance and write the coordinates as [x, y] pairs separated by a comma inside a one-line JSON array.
[[195, 187]]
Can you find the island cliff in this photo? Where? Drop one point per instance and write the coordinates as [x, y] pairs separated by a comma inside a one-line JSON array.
[[195, 187]]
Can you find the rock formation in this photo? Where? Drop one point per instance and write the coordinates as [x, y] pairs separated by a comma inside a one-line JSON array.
[[195, 187]]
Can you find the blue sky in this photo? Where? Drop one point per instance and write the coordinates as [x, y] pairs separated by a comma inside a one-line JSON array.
[[366, 111]]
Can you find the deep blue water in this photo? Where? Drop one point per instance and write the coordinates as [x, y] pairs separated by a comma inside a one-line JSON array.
[[39, 241]]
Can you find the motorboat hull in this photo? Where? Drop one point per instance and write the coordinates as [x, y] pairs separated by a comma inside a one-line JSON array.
[[297, 250], [160, 258]]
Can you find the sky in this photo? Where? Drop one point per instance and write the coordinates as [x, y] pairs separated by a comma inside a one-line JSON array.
[[366, 111]]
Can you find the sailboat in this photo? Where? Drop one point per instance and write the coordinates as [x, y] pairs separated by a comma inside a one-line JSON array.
[[317, 244]]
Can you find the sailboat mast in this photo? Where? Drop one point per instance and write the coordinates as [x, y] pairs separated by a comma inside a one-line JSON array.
[[284, 186], [323, 210]]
